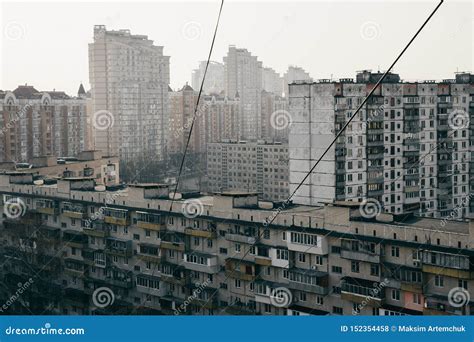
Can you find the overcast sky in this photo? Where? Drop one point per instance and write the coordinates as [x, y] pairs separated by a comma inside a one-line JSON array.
[[45, 43]]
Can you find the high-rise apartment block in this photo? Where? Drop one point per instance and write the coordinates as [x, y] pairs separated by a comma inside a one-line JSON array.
[[37, 123], [409, 148], [252, 166], [243, 80], [129, 77], [272, 82], [76, 244]]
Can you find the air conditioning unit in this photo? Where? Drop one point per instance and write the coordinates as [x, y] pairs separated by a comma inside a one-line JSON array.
[[417, 263], [314, 267]]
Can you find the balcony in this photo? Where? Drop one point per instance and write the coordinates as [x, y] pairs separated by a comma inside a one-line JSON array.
[[241, 238], [150, 221], [307, 243], [150, 285], [75, 211], [360, 256], [118, 277], [74, 268], [308, 280], [240, 269], [200, 233], [201, 262], [75, 239], [97, 229], [116, 216], [49, 234], [149, 252], [118, 247], [176, 246], [362, 290], [45, 206]]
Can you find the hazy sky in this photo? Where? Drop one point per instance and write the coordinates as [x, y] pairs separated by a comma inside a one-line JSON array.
[[45, 43]]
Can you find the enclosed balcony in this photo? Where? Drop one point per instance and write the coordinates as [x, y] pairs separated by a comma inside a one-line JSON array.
[[358, 290], [150, 221], [240, 269], [116, 216], [72, 210], [201, 262], [118, 247], [308, 280], [360, 250], [149, 252], [75, 239]]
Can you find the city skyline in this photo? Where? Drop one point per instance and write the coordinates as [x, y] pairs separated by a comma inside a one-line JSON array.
[[324, 55]]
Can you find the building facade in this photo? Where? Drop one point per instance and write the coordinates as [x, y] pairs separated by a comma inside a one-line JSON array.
[[72, 244], [129, 78], [243, 80], [36, 123], [293, 74], [252, 166], [214, 78], [409, 149]]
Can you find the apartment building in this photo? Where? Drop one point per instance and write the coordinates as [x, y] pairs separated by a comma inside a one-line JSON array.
[[243, 80], [252, 166], [71, 242], [129, 78], [276, 119], [35, 123], [294, 73], [409, 148], [272, 82], [214, 78]]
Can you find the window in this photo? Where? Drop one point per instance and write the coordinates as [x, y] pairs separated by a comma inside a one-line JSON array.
[[319, 300], [237, 248], [337, 310], [336, 269], [439, 281], [319, 260], [374, 270], [416, 298], [301, 257], [355, 267], [395, 252], [395, 294], [237, 283], [302, 296], [282, 254]]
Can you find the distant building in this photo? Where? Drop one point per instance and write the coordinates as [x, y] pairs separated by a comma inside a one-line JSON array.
[[272, 82], [243, 80], [129, 77], [214, 78], [408, 148], [275, 117], [35, 123], [252, 166], [294, 73]]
